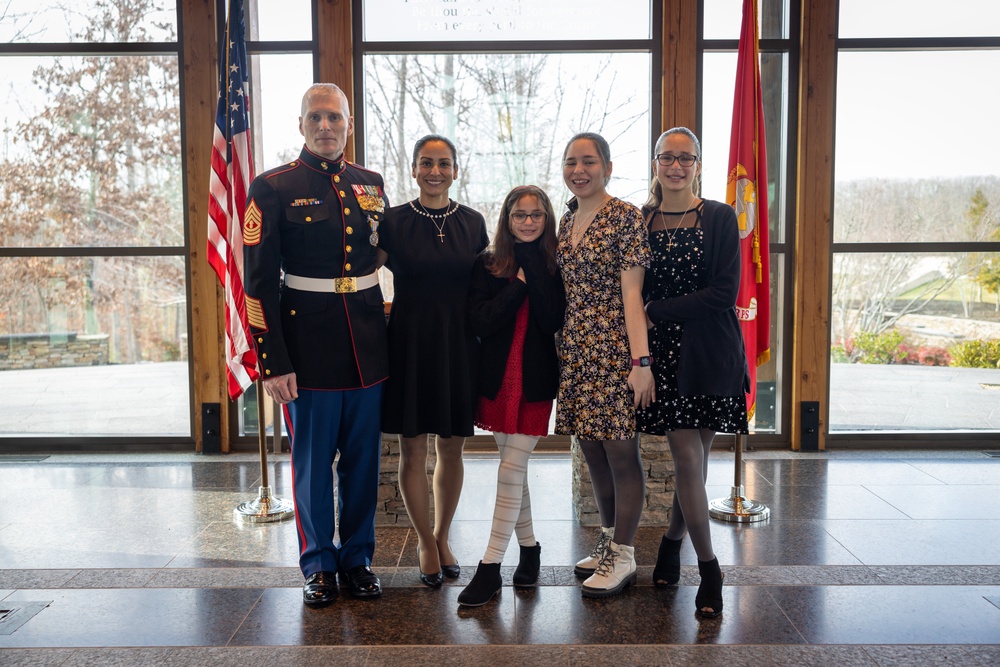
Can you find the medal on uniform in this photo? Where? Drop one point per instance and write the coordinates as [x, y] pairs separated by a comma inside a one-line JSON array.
[[373, 223], [369, 198]]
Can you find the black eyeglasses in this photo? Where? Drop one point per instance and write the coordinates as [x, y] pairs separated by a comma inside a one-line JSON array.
[[521, 216], [666, 159]]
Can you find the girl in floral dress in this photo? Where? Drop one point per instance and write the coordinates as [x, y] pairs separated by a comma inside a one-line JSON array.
[[603, 252]]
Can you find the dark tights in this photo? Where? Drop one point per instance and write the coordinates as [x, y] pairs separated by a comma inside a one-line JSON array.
[[689, 513], [619, 484]]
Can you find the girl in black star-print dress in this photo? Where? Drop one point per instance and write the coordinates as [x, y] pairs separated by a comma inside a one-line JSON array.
[[696, 344]]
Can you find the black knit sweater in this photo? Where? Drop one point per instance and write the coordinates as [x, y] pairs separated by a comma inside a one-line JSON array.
[[494, 302]]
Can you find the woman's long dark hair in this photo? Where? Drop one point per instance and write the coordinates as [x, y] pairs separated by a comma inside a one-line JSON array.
[[503, 264]]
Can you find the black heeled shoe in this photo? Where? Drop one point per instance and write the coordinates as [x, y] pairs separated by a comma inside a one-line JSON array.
[[709, 596], [528, 565], [452, 571], [485, 584], [668, 563], [433, 580]]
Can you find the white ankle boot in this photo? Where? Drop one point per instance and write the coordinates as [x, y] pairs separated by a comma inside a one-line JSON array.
[[614, 573], [586, 567]]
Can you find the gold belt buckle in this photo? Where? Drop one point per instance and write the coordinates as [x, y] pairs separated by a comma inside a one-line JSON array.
[[342, 285]]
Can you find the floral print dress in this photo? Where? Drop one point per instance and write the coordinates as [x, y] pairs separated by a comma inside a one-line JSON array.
[[594, 401]]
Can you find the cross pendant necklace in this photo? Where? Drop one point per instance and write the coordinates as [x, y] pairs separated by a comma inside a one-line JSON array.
[[435, 217], [672, 232]]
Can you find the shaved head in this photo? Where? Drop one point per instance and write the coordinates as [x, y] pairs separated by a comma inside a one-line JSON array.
[[323, 90]]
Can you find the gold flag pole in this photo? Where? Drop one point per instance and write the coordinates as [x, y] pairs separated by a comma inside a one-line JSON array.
[[737, 508], [266, 507]]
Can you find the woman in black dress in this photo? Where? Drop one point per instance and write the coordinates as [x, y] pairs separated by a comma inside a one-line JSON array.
[[432, 243], [696, 345]]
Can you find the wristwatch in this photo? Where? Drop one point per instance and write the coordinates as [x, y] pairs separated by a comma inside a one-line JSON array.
[[645, 362]]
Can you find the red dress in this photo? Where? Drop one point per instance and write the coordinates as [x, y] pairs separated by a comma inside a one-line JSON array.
[[509, 412]]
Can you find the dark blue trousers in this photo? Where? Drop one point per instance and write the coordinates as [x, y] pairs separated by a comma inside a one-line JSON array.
[[321, 424]]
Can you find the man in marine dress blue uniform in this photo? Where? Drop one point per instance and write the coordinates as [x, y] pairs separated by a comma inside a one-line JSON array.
[[315, 310]]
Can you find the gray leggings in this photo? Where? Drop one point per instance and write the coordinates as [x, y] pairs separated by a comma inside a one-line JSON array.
[[689, 513], [619, 484]]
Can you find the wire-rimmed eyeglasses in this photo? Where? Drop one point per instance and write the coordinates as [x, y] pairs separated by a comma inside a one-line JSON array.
[[666, 159], [521, 216]]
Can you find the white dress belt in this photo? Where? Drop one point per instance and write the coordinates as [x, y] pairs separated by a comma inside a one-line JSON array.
[[337, 285]]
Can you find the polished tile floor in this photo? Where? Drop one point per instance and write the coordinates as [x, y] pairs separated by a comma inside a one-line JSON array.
[[869, 558]]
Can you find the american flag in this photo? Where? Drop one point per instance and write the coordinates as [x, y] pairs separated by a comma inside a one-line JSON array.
[[232, 171]]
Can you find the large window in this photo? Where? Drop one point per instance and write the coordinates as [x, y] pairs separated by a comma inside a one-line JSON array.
[[508, 84], [916, 271], [93, 306]]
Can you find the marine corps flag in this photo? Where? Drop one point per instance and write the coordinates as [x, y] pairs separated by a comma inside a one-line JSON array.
[[232, 171], [746, 191]]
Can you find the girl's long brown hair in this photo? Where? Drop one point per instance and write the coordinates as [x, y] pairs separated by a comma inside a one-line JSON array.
[[503, 264]]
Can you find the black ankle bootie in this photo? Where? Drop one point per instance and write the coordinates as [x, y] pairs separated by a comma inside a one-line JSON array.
[[485, 584], [668, 563], [708, 600], [526, 574]]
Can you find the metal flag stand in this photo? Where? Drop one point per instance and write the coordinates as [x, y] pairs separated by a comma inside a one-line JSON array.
[[266, 508], [737, 508]]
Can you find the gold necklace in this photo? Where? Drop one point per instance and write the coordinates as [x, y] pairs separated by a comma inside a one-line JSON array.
[[578, 230], [672, 232]]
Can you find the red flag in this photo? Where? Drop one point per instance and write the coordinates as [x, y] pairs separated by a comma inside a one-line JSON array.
[[232, 171], [746, 191]]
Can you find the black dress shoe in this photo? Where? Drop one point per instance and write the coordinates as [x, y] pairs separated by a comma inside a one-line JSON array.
[[361, 582], [432, 580], [320, 589], [452, 571]]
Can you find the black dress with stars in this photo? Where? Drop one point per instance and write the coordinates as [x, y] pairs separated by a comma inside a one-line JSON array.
[[678, 270], [432, 350]]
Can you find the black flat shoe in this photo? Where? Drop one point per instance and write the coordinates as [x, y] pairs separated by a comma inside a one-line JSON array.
[[485, 584], [668, 563], [361, 582], [433, 580], [452, 571], [319, 590], [528, 565], [708, 600]]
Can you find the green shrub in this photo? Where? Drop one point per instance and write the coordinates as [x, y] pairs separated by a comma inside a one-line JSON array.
[[976, 354], [840, 355], [883, 348]]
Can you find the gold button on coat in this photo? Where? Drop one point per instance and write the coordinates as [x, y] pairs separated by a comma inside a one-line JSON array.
[[347, 267], [343, 194], [292, 313], [348, 248], [267, 372], [350, 230], [336, 179], [347, 211], [308, 219]]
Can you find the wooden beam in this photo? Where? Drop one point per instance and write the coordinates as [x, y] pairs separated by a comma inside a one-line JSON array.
[[814, 215], [679, 68], [335, 35], [200, 94]]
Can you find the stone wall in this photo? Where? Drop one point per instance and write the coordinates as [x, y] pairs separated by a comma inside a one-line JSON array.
[[391, 510], [23, 351], [659, 469]]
